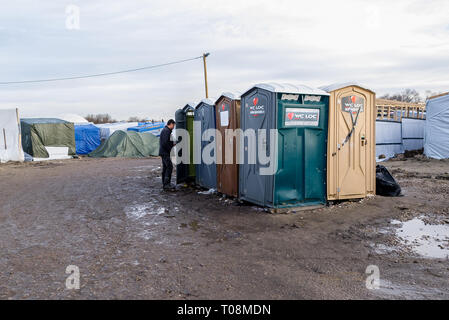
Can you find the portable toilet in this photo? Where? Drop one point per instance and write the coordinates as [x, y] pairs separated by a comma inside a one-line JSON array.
[[351, 162], [227, 109], [296, 173], [204, 144], [185, 172]]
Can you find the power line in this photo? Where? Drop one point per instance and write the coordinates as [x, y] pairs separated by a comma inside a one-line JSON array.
[[101, 74]]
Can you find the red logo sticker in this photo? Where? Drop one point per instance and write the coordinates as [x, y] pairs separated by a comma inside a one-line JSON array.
[[255, 100], [353, 98], [223, 106], [290, 115]]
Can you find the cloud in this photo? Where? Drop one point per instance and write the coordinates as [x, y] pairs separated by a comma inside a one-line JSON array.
[[383, 44]]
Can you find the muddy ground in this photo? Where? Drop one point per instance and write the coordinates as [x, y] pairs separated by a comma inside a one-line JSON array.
[[131, 240]]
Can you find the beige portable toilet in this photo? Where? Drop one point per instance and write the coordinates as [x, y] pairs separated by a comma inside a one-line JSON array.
[[351, 147]]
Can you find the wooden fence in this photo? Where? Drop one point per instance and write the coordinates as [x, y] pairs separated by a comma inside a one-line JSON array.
[[396, 110]]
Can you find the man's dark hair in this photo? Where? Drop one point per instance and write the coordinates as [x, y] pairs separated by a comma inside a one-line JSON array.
[[171, 121]]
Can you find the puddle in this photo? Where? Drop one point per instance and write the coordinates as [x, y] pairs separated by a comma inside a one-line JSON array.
[[428, 240], [408, 291], [210, 191]]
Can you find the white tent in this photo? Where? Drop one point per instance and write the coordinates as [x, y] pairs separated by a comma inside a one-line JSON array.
[[10, 138], [436, 142], [107, 129], [74, 118]]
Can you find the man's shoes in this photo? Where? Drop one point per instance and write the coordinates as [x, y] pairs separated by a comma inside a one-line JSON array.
[[169, 187]]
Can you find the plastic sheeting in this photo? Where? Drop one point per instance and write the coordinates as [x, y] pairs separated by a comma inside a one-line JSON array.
[[87, 138], [128, 144], [153, 128], [436, 143], [73, 118], [46, 132], [107, 129], [413, 134], [393, 137], [388, 139], [10, 143]]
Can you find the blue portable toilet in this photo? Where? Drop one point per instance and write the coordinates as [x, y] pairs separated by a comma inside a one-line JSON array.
[[206, 174]]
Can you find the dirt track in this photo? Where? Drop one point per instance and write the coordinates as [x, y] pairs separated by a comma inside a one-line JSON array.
[[131, 240]]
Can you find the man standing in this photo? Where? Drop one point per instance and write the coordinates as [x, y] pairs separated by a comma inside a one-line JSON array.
[[165, 146]]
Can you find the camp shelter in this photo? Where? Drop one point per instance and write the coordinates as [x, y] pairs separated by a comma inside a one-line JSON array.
[[289, 145], [185, 172], [206, 172], [227, 109], [74, 118], [128, 144], [107, 129], [87, 138], [153, 128], [42, 135], [351, 148], [10, 138], [436, 142]]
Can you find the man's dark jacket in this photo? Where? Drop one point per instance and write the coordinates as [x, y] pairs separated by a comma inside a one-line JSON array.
[[165, 144]]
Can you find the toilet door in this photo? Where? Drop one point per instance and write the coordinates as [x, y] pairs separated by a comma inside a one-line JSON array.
[[301, 175], [353, 115]]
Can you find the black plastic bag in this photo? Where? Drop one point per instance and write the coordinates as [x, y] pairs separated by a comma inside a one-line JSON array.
[[385, 184]]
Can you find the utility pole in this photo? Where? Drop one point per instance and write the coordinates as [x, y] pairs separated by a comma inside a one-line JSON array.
[[205, 55]]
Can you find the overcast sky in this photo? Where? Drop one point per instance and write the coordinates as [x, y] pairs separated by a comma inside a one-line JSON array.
[[386, 45]]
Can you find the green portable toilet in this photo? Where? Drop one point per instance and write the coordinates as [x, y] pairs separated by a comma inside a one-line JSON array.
[[299, 117], [185, 172]]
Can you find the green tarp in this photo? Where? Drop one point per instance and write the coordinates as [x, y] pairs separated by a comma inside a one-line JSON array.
[[46, 132], [128, 144]]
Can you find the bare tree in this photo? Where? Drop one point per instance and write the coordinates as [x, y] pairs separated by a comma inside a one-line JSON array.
[[407, 95], [100, 118], [430, 93], [137, 119]]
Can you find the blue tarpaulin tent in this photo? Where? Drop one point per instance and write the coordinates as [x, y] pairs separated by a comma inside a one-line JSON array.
[[154, 128], [87, 138]]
